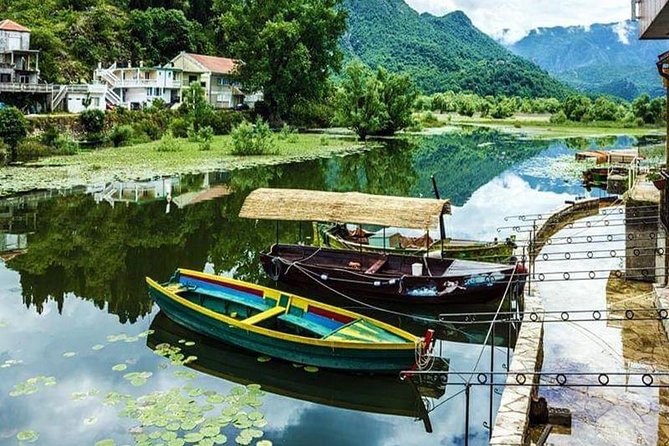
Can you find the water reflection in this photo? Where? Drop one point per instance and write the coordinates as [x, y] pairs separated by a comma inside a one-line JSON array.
[[69, 249]]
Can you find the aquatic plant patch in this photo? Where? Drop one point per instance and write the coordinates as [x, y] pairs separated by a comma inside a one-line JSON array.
[[32, 385]]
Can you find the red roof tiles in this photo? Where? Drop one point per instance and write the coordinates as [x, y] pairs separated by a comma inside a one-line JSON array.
[[218, 65], [8, 25]]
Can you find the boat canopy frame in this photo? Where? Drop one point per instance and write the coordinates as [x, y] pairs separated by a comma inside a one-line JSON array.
[[345, 207]]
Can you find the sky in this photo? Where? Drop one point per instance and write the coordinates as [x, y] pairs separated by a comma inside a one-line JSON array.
[[511, 20]]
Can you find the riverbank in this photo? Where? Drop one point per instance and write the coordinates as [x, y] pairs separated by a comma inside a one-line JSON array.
[[539, 126], [145, 161]]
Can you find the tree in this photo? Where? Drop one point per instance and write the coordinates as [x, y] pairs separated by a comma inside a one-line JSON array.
[[358, 101], [604, 109], [196, 105], [158, 34], [13, 127], [288, 48], [398, 95], [576, 107]]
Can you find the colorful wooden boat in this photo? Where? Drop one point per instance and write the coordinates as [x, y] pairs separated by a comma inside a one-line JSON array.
[[283, 325], [390, 277], [385, 394], [339, 237]]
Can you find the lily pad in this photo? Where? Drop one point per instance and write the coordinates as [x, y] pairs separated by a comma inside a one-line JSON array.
[[264, 443], [264, 359], [106, 442], [189, 344], [193, 437], [97, 347], [119, 367], [220, 439], [89, 421], [244, 441], [69, 355], [27, 436], [311, 369]]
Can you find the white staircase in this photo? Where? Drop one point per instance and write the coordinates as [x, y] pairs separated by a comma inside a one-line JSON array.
[[58, 96], [107, 76]]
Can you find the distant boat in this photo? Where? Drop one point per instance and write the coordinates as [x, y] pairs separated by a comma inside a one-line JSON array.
[[386, 394], [391, 277], [340, 237], [283, 325]]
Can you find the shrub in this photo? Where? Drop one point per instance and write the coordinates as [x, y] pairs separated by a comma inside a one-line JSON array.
[[223, 121], [93, 122], [121, 135], [288, 134], [168, 143], [204, 137], [13, 127], [149, 128], [32, 148], [179, 127], [65, 145], [49, 136], [559, 118], [252, 139], [4, 153]]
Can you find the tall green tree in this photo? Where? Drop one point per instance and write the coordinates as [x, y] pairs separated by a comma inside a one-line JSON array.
[[398, 94], [358, 102], [13, 127], [159, 34], [288, 48], [197, 107]]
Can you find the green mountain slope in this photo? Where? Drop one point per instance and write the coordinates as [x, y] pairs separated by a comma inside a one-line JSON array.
[[441, 53]]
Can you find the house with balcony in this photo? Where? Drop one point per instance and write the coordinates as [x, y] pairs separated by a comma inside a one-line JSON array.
[[18, 63], [216, 76], [138, 87]]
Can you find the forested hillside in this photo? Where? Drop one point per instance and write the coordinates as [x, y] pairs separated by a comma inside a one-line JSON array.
[[440, 53], [608, 59]]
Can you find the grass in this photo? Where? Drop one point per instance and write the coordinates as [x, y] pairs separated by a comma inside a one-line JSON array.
[[539, 126], [145, 161]]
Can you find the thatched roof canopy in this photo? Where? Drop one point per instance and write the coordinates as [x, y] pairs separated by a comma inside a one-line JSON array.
[[349, 207]]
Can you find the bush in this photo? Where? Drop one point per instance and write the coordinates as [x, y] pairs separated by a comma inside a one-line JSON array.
[[559, 118], [13, 127], [4, 153], [204, 137], [65, 145], [93, 122], [49, 136], [179, 127], [223, 121], [31, 148], [168, 143], [150, 129], [252, 139], [288, 134], [121, 135]]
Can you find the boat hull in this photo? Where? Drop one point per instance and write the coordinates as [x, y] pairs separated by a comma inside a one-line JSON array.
[[455, 249], [357, 359], [401, 288]]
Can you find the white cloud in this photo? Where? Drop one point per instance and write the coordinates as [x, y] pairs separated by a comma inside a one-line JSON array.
[[511, 20], [623, 30]]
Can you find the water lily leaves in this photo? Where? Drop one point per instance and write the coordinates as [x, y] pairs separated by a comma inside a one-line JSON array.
[[120, 367], [185, 374], [243, 440], [117, 338], [27, 436], [264, 443], [253, 433], [220, 439], [176, 442], [97, 347], [189, 343], [78, 396], [32, 385], [146, 333], [106, 442], [264, 359], [69, 355], [10, 363], [311, 369], [137, 378], [90, 421], [193, 437], [253, 416], [206, 442]]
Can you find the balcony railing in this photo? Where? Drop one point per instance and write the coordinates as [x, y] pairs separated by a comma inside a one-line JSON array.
[[16, 87], [144, 83]]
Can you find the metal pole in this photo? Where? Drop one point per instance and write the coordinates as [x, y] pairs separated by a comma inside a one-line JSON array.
[[467, 388], [277, 232], [492, 378]]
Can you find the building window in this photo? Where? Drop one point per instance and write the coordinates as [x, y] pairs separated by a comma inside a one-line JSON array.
[[192, 79], [223, 81], [96, 102]]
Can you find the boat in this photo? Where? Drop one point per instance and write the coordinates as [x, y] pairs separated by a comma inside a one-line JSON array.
[[381, 394], [330, 211], [285, 326], [338, 236], [391, 277]]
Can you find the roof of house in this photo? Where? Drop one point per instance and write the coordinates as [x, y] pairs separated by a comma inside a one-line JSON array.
[[219, 65], [9, 25]]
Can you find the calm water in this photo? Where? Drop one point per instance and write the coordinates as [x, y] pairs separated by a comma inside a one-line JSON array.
[[74, 276]]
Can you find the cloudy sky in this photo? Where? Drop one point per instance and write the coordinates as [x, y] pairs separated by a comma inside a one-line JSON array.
[[510, 20]]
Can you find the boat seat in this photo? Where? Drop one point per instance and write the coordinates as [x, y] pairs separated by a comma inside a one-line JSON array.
[[306, 324], [377, 266], [264, 315]]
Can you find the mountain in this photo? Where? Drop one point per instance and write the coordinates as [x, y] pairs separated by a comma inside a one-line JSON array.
[[441, 53], [607, 58]]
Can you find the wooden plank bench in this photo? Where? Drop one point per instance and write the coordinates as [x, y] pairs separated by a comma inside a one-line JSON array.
[[252, 302], [264, 315], [377, 266]]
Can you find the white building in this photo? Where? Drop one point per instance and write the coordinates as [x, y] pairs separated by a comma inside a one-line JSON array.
[[138, 87], [86, 97]]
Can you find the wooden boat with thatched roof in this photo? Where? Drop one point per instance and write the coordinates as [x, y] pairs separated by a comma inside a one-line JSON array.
[[404, 278]]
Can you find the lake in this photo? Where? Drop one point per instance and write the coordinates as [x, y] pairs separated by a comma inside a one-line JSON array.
[[78, 331]]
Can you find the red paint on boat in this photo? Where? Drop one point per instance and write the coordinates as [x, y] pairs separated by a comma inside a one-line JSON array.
[[330, 315]]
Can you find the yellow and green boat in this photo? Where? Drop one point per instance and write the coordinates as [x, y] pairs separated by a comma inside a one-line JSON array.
[[283, 325]]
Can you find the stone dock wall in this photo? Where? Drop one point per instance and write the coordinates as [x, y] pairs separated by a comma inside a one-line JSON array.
[[512, 422]]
